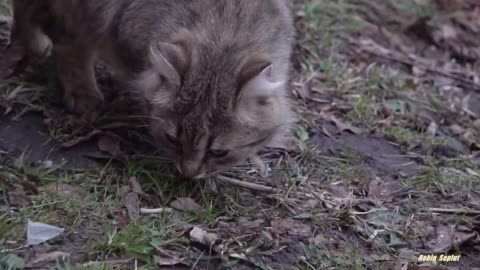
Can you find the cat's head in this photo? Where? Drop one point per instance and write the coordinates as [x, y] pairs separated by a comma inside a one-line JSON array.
[[208, 111]]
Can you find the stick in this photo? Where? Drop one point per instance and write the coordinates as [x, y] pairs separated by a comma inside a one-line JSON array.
[[79, 140], [454, 211], [248, 185], [380, 51], [154, 211]]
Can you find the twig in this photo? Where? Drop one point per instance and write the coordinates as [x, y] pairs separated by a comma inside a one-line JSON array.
[[147, 211], [454, 211], [111, 262], [79, 140], [247, 184], [383, 52]]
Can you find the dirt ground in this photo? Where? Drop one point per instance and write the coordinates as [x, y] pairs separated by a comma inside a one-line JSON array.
[[383, 170]]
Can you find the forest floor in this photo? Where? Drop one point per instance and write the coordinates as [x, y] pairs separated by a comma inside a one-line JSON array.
[[384, 166]]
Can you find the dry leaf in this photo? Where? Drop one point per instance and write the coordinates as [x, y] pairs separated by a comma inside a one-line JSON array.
[[108, 145], [418, 71], [198, 235], [319, 241], [375, 188], [167, 261], [291, 226], [448, 238], [168, 257], [18, 197], [476, 124], [130, 201], [187, 205], [65, 191], [134, 185], [380, 190], [304, 90], [341, 125], [432, 129], [48, 258]]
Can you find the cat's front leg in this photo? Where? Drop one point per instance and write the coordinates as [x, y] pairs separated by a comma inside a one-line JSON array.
[[75, 68]]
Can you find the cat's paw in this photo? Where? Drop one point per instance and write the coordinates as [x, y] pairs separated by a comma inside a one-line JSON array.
[[83, 102]]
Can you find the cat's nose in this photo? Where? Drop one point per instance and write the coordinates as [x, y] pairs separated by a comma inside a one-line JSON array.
[[190, 169]]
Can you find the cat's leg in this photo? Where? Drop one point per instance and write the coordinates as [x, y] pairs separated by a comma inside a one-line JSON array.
[[28, 31], [75, 69]]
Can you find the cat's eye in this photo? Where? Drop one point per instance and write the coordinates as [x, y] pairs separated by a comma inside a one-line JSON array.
[[218, 153], [171, 139]]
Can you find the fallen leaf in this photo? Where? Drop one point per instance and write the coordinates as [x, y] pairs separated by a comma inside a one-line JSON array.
[[304, 90], [341, 125], [383, 217], [448, 238], [418, 71], [38, 233], [310, 204], [130, 201], [375, 189], [108, 145], [291, 226], [432, 129], [64, 191], [47, 258], [166, 261], [380, 190], [199, 235], [319, 241], [448, 4], [187, 205], [18, 197], [121, 219], [476, 124], [134, 185], [168, 257]]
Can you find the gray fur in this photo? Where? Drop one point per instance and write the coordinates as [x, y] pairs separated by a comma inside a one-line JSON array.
[[211, 71]]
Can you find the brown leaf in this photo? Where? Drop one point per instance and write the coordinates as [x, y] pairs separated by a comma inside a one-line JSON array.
[[319, 241], [134, 185], [380, 190], [476, 124], [65, 191], [187, 205], [130, 201], [199, 235], [448, 4], [291, 226], [48, 258], [18, 197], [341, 125], [304, 90], [121, 218], [166, 261], [448, 237], [108, 145], [375, 189], [418, 71], [168, 257]]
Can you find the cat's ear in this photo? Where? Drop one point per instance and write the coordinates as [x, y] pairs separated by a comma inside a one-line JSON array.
[[255, 79], [173, 59]]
